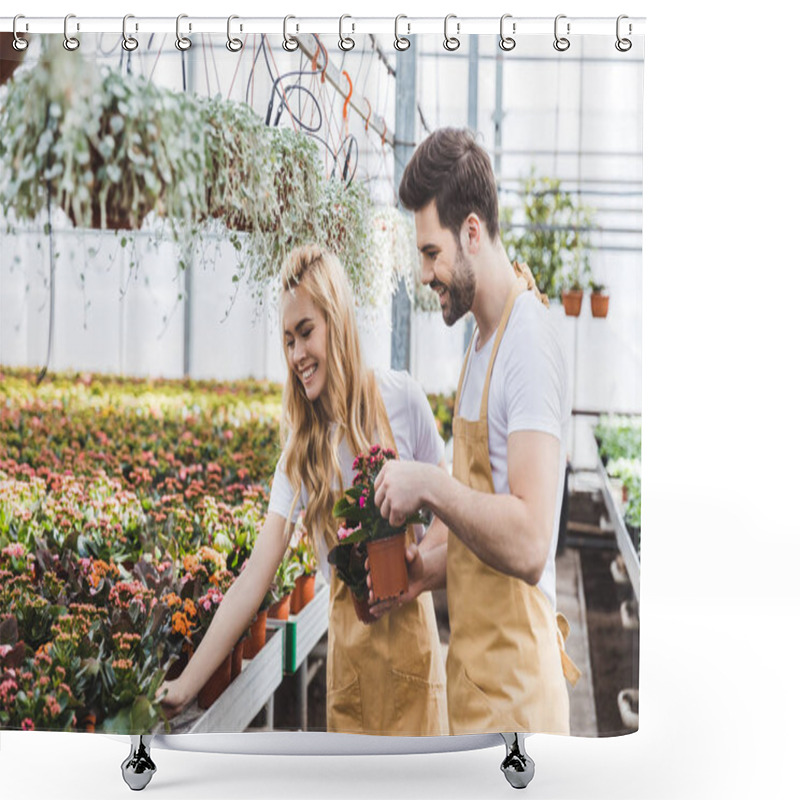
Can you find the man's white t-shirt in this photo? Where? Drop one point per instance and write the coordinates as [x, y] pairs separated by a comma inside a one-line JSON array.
[[415, 434], [529, 391]]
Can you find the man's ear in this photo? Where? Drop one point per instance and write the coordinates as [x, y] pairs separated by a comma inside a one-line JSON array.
[[472, 233]]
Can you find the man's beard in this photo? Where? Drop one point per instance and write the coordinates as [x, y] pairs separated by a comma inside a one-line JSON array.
[[460, 292]]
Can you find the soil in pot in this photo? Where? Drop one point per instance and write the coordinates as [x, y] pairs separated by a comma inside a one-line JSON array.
[[387, 566]]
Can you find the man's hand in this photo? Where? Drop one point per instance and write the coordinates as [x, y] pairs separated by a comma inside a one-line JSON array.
[[399, 489], [416, 572]]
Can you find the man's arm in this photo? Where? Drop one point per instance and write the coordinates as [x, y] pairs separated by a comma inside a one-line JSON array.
[[509, 532]]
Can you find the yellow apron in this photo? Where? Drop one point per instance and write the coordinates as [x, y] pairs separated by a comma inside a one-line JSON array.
[[387, 677], [506, 662]]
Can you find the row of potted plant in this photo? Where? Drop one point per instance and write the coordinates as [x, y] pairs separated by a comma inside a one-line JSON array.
[[619, 443], [551, 233]]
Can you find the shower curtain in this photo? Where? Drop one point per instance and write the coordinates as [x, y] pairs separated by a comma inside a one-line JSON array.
[[149, 196]]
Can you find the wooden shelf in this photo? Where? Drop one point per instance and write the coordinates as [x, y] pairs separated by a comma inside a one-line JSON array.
[[239, 703]]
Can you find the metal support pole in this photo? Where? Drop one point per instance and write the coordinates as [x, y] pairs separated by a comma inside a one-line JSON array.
[[472, 123], [405, 111]]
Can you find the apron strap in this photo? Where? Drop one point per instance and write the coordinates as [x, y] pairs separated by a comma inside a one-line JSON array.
[[520, 287], [571, 672]]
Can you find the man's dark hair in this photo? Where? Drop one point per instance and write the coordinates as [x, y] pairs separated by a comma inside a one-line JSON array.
[[452, 169]]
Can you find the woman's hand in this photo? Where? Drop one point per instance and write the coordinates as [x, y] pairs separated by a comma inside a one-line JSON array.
[[171, 698]]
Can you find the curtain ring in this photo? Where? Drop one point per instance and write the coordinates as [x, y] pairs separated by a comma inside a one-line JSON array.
[[234, 45], [70, 42], [18, 43], [290, 43], [345, 42], [128, 42], [561, 43], [451, 42], [400, 42], [623, 45], [507, 42], [182, 42]]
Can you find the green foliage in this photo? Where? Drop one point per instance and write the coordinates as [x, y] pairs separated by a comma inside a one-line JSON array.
[[555, 241]]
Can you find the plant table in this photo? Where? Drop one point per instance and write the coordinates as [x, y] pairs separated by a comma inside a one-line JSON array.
[[301, 633], [624, 543], [234, 709]]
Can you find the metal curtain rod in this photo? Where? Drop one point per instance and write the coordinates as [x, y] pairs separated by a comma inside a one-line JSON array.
[[458, 26]]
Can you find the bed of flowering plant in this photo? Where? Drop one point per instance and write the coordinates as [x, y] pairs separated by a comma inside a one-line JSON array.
[[127, 508]]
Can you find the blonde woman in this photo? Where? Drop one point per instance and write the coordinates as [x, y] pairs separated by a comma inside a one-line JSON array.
[[383, 678]]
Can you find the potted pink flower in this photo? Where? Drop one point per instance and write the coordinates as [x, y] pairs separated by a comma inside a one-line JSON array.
[[362, 522]]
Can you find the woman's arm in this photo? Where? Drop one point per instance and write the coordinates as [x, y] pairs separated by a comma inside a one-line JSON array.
[[234, 614]]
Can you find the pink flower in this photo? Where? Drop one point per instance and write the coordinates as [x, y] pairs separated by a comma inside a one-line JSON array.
[[27, 724], [362, 501]]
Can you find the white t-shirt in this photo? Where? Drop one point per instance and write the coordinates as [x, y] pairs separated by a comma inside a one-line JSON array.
[[414, 430], [529, 391]]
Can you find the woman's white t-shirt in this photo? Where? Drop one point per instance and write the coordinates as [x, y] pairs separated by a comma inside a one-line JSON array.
[[415, 435]]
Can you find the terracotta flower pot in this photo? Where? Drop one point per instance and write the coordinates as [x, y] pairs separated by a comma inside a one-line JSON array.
[[236, 659], [362, 610], [216, 684], [174, 672], [280, 610], [572, 301], [303, 593], [387, 566], [88, 722], [258, 636], [599, 305]]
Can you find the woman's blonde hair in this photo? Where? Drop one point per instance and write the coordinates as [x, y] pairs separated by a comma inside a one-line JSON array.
[[350, 395]]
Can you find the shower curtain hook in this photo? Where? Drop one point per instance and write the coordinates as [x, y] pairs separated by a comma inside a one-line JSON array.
[[290, 43], [623, 45], [561, 43], [507, 42], [19, 44], [182, 42], [451, 42], [234, 45], [128, 42], [70, 42], [400, 42], [346, 42]]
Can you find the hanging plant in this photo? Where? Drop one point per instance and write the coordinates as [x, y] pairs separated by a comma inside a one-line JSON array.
[[343, 226], [107, 148], [393, 252], [554, 241]]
